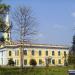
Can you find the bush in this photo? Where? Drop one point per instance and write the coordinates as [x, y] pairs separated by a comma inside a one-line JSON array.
[[33, 62], [66, 64], [11, 62], [71, 59]]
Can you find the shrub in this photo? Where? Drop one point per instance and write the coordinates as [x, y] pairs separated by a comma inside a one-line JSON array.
[[33, 62], [11, 62]]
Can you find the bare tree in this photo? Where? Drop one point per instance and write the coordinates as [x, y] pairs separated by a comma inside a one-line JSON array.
[[24, 25]]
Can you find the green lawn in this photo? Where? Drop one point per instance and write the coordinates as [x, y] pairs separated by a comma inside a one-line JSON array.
[[52, 70]]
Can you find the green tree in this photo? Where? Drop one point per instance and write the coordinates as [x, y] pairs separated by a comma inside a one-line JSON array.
[[71, 58]]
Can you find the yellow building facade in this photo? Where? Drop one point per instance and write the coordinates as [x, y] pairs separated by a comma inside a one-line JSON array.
[[41, 53]]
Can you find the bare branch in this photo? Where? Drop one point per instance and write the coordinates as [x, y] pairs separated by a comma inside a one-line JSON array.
[[23, 21]]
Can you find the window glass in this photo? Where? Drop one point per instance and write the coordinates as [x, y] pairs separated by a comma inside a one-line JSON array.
[[46, 53], [9, 53], [17, 53], [17, 62], [39, 53], [59, 61], [52, 53], [25, 52], [58, 53], [32, 52], [25, 61], [64, 53], [53, 61], [40, 61]]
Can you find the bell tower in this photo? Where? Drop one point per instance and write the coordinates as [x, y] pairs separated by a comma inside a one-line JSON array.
[[6, 34]]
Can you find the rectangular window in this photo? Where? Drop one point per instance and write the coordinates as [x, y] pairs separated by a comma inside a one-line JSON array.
[[65, 62], [64, 53], [25, 61], [59, 61], [52, 53], [25, 52], [17, 62], [46, 53], [9, 53], [58, 53], [40, 61], [53, 61], [32, 52], [17, 53], [39, 53]]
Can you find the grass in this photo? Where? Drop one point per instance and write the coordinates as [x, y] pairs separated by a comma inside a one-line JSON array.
[[52, 70]]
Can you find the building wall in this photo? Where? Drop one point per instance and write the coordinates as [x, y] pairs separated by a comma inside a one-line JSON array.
[[41, 60], [43, 56], [3, 57], [37, 57], [14, 56]]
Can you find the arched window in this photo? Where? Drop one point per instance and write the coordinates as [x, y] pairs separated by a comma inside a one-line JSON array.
[[32, 52], [9, 53], [39, 53], [53, 53], [46, 53], [58, 53]]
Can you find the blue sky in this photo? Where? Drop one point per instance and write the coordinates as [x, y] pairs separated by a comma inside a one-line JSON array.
[[56, 19]]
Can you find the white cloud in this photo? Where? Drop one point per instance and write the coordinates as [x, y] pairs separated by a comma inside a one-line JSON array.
[[73, 14]]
